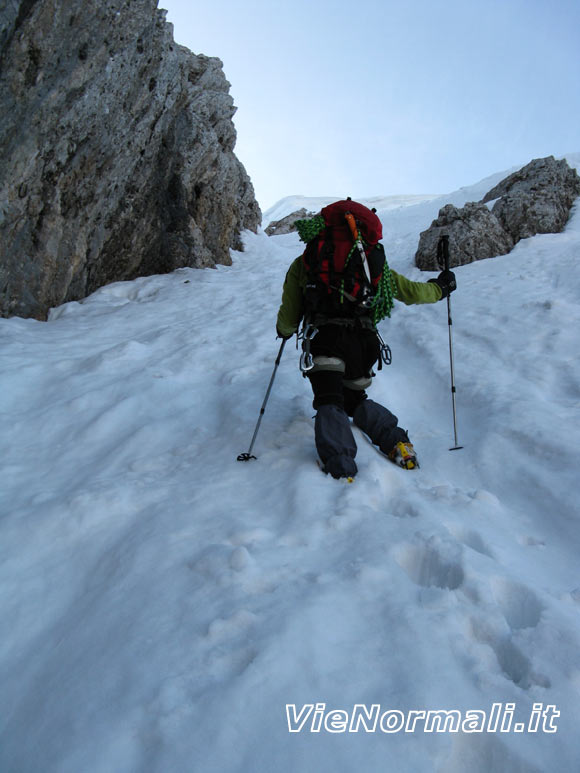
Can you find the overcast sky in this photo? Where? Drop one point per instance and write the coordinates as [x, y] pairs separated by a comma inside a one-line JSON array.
[[379, 97]]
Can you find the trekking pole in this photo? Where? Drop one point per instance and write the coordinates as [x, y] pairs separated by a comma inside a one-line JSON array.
[[248, 455], [443, 255]]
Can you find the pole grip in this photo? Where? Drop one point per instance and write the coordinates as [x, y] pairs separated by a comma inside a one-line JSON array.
[[443, 252]]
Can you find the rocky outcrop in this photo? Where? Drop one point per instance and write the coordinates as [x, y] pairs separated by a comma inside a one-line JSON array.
[[286, 224], [536, 199], [474, 233], [116, 152]]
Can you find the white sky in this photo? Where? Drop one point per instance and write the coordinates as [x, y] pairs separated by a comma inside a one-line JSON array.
[[381, 97]]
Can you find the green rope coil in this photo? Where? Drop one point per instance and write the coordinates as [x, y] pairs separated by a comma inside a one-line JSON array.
[[309, 229], [384, 299]]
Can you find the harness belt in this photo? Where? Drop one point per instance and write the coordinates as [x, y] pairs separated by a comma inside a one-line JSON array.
[[322, 362], [358, 384], [363, 322]]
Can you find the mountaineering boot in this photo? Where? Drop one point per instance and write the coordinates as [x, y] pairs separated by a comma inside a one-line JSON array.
[[403, 454], [335, 442], [380, 425]]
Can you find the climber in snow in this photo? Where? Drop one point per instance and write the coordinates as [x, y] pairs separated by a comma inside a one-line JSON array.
[[339, 289]]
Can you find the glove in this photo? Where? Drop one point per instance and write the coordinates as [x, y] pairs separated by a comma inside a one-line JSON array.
[[447, 283]]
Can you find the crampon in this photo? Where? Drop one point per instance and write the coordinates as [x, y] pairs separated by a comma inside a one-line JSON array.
[[403, 454]]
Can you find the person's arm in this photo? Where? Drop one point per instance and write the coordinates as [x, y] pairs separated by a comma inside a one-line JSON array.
[[291, 309], [410, 292], [433, 290]]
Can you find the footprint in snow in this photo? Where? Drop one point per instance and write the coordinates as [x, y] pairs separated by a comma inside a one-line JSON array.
[[519, 605], [214, 562], [240, 559], [471, 539], [529, 541], [448, 494], [521, 609], [510, 659], [432, 562], [403, 508], [221, 628]]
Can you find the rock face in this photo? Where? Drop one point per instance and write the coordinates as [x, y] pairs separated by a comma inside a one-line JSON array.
[[286, 224], [537, 199], [474, 233], [116, 152]]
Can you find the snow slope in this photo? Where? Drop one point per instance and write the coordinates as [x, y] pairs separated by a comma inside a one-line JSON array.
[[162, 603]]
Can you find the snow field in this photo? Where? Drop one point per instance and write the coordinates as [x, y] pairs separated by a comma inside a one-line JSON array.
[[162, 602]]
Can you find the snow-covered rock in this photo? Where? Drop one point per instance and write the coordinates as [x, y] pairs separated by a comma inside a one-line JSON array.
[[474, 233], [535, 199], [286, 224]]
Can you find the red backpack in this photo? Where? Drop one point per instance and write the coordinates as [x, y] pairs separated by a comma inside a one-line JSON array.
[[346, 237]]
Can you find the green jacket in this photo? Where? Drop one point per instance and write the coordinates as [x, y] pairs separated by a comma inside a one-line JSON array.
[[292, 307]]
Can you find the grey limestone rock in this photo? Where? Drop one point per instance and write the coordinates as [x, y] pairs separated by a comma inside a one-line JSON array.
[[286, 224], [536, 199], [116, 152], [474, 233]]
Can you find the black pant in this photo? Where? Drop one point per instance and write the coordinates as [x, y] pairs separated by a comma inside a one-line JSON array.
[[359, 349], [353, 352]]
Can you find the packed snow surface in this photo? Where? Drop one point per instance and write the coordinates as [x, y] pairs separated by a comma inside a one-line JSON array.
[[162, 603]]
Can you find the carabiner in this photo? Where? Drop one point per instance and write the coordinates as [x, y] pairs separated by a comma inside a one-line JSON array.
[[386, 355], [306, 359], [306, 362]]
